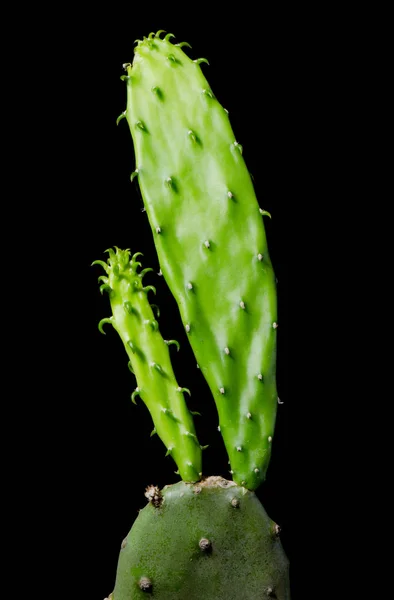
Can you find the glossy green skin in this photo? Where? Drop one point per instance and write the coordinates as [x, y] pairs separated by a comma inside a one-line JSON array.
[[245, 561], [133, 319], [209, 234]]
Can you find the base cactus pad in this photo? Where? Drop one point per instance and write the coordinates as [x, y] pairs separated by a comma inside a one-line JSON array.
[[210, 540]]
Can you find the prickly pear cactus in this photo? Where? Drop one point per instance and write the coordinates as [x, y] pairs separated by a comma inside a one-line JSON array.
[[210, 540], [209, 234], [202, 537]]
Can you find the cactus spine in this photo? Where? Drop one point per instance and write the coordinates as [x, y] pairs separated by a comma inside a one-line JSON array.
[[133, 319], [210, 238]]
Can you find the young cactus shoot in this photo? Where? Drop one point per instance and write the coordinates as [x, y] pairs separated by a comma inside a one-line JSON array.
[[133, 319]]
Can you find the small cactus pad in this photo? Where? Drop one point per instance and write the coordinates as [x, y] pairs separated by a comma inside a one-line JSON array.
[[211, 540], [149, 356], [210, 238]]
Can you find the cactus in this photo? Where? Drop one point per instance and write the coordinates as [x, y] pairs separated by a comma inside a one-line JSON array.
[[132, 317], [210, 239], [180, 544], [204, 536]]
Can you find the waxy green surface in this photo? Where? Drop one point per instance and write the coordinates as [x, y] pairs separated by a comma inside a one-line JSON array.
[[133, 319], [209, 234]]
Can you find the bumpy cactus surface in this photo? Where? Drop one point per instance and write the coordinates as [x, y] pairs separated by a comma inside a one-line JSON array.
[[210, 540], [210, 238], [133, 318]]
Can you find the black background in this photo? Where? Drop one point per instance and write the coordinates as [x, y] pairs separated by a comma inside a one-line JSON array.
[[269, 71]]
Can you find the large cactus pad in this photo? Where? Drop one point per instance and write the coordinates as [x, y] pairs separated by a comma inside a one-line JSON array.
[[211, 243]]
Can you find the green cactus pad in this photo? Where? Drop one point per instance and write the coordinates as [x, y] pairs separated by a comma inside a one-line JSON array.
[[210, 238], [149, 356], [210, 540]]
